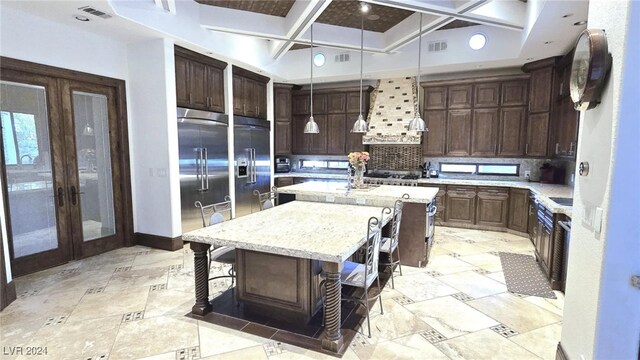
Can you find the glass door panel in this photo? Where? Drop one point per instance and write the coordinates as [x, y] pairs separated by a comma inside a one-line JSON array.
[[90, 116], [31, 190]]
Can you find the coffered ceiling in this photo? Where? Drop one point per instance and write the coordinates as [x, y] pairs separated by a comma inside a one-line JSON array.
[[347, 13], [271, 7]]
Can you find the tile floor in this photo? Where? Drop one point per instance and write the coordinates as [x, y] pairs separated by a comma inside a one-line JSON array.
[[130, 303]]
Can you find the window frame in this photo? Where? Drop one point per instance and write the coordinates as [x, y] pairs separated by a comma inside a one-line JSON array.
[[477, 168], [326, 167]]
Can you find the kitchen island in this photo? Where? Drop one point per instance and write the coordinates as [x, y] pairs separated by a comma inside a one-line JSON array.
[[418, 222], [280, 255]]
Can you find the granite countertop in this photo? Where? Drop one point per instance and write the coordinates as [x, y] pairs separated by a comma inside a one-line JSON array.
[[376, 195], [310, 230], [543, 191], [340, 175]]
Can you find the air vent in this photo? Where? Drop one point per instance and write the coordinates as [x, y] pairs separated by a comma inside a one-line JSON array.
[[342, 57], [437, 46], [95, 12]]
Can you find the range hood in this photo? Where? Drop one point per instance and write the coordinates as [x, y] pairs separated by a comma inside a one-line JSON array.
[[394, 105]]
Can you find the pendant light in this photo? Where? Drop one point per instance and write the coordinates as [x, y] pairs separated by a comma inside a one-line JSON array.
[[361, 126], [417, 123], [311, 127]]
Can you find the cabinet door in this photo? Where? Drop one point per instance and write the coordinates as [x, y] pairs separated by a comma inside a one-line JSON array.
[[353, 102], [215, 89], [250, 97], [566, 129], [282, 109], [182, 82], [261, 100], [484, 133], [238, 95], [537, 133], [460, 96], [320, 104], [198, 85], [336, 103], [461, 205], [540, 86], [299, 140], [519, 210], [441, 205], [486, 95], [514, 93], [283, 181], [435, 98], [300, 104], [282, 144], [493, 207], [511, 138], [318, 142], [434, 140], [459, 132], [336, 134], [353, 140]]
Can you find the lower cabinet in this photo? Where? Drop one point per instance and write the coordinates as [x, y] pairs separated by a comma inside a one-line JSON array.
[[461, 204], [283, 181], [519, 209], [441, 205], [493, 207]]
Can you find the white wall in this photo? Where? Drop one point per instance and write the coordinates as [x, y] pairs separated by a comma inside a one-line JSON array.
[[153, 136], [601, 309]]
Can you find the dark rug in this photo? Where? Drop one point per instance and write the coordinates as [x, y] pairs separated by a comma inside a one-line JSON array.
[[523, 275]]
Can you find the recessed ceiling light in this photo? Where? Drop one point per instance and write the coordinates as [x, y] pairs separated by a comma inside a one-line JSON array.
[[364, 7], [477, 41], [209, 53], [548, 42], [567, 15], [319, 59], [580, 23], [373, 17], [81, 18]]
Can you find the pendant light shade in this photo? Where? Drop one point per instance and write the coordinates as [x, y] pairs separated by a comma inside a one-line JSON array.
[[361, 126], [311, 127], [417, 124]]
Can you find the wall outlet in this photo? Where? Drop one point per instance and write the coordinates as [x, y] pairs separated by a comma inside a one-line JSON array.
[[527, 174], [361, 201], [161, 172], [331, 198]]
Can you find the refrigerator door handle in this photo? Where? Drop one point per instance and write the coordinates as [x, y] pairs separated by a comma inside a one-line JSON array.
[[201, 168], [206, 169], [254, 170], [198, 159]]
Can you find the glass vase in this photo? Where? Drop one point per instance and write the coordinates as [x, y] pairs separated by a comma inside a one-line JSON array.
[[358, 177]]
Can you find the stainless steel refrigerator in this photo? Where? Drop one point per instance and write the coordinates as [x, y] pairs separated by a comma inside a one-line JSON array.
[[252, 162], [204, 162]]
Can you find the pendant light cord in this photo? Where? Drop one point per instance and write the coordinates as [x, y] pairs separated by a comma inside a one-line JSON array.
[[311, 94], [418, 77], [361, 58]]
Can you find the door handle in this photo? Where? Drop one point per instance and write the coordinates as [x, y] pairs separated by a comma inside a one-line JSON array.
[[206, 168], [60, 197], [74, 193], [201, 168]]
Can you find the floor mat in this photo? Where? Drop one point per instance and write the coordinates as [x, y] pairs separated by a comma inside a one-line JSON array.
[[523, 275]]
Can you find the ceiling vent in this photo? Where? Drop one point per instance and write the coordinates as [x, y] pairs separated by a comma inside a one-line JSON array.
[[437, 46], [95, 12], [342, 57]]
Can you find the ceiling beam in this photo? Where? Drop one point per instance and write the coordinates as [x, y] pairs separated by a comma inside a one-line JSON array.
[[428, 8]]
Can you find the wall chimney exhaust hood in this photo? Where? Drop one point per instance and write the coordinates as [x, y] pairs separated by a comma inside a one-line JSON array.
[[394, 105]]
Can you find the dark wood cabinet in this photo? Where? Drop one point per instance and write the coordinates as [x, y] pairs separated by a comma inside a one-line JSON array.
[[300, 104], [461, 204], [353, 101], [199, 81], [336, 103], [434, 141], [283, 119], [459, 132], [336, 138], [435, 98], [460, 96], [318, 142], [537, 135], [566, 129], [512, 131], [540, 86], [249, 94], [493, 206], [238, 93], [519, 210], [486, 95], [282, 140], [353, 141], [319, 104], [299, 140], [283, 181], [484, 138], [514, 93], [441, 205]]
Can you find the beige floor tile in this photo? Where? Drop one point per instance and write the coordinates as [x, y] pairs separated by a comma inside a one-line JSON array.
[[556, 306], [396, 322], [77, 340], [451, 317], [464, 248], [484, 261], [80, 280], [473, 284], [421, 287], [520, 246], [156, 335], [439, 250], [166, 356], [409, 347], [542, 342], [110, 303], [446, 264], [137, 278], [485, 344], [182, 280], [252, 353], [515, 312], [153, 260], [168, 302], [497, 276], [216, 340]]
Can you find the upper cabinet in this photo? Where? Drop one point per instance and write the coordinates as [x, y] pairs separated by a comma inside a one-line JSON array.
[[541, 86], [249, 93], [435, 98], [486, 95], [460, 96], [514, 93], [541, 109], [283, 119], [199, 81]]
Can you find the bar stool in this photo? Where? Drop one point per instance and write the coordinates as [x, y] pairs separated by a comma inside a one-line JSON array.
[[220, 254], [267, 200], [389, 244]]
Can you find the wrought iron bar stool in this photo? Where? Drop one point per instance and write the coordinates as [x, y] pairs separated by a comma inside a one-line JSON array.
[[267, 200], [220, 254], [390, 244]]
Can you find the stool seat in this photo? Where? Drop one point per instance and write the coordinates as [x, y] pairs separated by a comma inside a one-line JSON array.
[[223, 254], [353, 274]]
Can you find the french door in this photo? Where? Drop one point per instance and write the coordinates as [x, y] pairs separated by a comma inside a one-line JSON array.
[[63, 192]]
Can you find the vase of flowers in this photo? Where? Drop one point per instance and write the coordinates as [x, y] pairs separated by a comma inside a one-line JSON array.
[[358, 160]]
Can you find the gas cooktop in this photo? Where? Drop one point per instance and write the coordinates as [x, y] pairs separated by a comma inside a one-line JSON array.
[[393, 176]]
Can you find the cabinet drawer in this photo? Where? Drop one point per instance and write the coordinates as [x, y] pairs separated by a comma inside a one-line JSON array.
[[488, 191], [460, 188]]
